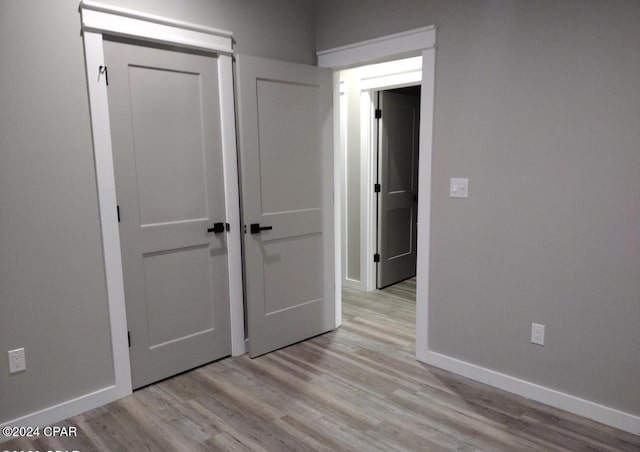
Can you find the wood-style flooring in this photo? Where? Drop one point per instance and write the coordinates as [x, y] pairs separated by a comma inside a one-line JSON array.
[[358, 388]]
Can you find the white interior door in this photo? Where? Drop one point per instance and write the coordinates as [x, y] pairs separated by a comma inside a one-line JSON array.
[[287, 183], [399, 130], [164, 114]]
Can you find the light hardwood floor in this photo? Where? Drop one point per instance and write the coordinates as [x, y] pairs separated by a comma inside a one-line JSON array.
[[355, 389]]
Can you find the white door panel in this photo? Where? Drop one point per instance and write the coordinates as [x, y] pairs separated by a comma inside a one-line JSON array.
[[287, 179], [164, 114]]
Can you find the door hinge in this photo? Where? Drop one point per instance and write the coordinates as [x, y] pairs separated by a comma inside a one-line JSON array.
[[103, 70], [376, 188], [129, 338], [378, 113], [118, 212], [376, 258]]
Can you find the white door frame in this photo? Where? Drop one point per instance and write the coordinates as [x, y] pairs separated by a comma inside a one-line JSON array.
[[421, 41], [99, 20]]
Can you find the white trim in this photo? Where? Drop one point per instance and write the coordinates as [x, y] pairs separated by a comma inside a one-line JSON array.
[[392, 74], [591, 410], [392, 81], [339, 146], [114, 10], [425, 177], [338, 171], [64, 410], [107, 204], [106, 19], [232, 202], [396, 46], [390, 48], [368, 134], [367, 166]]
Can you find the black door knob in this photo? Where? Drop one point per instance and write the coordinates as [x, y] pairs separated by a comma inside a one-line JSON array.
[[256, 228], [217, 228]]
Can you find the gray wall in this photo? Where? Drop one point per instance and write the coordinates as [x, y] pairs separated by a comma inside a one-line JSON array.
[[52, 286], [280, 29], [353, 161], [538, 103]]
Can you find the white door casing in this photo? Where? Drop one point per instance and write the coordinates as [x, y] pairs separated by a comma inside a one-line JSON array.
[[422, 42], [287, 178]]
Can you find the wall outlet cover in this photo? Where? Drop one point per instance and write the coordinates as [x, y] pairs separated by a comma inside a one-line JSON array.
[[537, 334], [17, 361]]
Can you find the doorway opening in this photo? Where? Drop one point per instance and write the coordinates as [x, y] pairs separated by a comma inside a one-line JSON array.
[[379, 132]]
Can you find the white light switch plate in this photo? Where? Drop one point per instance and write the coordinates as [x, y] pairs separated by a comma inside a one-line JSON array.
[[458, 187]]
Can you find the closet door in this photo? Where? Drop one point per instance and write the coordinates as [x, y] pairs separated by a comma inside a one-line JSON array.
[[287, 189], [165, 124]]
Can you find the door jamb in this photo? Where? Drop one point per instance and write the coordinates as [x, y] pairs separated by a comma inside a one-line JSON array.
[[369, 153], [421, 41], [99, 20]]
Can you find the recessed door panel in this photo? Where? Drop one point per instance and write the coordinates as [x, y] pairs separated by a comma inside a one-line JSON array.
[[300, 256], [288, 137], [398, 242], [178, 294], [171, 185], [400, 165]]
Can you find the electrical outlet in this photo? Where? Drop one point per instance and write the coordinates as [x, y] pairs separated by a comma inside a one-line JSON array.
[[537, 334], [17, 361]]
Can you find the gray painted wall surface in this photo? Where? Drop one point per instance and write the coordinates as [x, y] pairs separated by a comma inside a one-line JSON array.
[[52, 286], [280, 29], [538, 103], [353, 163]]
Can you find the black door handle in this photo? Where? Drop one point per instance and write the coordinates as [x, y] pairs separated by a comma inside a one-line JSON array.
[[217, 228], [255, 228]]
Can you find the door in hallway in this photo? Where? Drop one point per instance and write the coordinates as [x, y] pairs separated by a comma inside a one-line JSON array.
[[399, 129]]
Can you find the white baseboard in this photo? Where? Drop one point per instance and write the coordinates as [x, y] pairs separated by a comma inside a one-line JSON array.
[[64, 410], [585, 408]]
